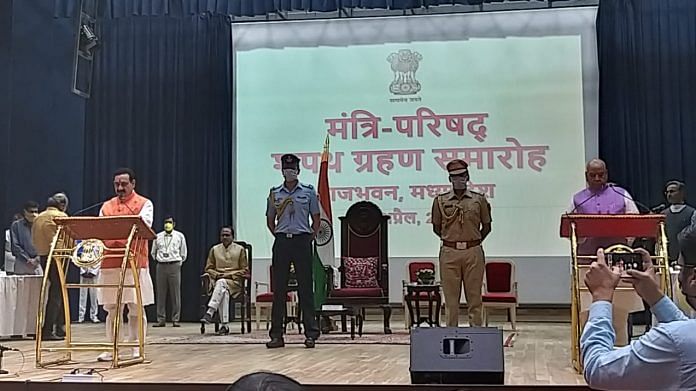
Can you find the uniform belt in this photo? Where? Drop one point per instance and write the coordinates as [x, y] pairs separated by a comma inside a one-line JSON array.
[[289, 236], [462, 245]]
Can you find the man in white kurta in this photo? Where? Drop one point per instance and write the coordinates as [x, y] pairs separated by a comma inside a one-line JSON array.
[[126, 203]]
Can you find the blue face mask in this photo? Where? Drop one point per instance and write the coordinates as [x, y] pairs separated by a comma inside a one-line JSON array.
[[290, 174]]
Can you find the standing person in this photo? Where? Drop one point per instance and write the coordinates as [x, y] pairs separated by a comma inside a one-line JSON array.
[[21, 245], [288, 211], [43, 230], [9, 257], [600, 197], [678, 216], [126, 203], [461, 218], [169, 250], [89, 276]]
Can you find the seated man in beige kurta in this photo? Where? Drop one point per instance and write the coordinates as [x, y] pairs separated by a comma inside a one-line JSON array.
[[227, 266]]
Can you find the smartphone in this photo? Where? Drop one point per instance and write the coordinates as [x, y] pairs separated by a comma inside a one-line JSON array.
[[625, 261]]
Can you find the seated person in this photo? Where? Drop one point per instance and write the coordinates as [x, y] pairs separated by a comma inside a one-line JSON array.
[[227, 266]]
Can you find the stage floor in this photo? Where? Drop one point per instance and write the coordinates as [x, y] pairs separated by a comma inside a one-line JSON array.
[[540, 355]]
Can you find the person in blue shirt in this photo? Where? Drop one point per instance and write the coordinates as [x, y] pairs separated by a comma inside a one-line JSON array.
[[664, 358], [288, 211]]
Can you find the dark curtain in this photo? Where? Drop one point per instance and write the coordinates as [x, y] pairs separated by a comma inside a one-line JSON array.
[[647, 116], [126, 8], [161, 104]]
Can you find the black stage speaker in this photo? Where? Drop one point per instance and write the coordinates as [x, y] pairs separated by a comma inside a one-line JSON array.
[[457, 355]]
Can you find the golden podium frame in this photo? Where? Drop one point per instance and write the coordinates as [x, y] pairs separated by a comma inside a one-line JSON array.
[[64, 249], [597, 226]]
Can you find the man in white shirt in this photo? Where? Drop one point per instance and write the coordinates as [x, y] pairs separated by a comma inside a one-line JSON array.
[[89, 276], [169, 250]]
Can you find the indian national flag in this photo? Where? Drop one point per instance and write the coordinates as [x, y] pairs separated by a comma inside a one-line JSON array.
[[324, 249]]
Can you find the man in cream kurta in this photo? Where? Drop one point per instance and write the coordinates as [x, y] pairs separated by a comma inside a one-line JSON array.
[[227, 266], [126, 203]]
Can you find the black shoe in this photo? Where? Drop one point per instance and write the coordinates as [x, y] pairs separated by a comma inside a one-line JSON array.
[[275, 343], [207, 318], [309, 343], [159, 324], [176, 324], [223, 331], [60, 332], [52, 337]]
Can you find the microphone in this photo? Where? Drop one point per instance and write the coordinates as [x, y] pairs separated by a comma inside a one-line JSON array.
[[612, 186], [659, 208], [88, 208], [6, 349], [582, 203]]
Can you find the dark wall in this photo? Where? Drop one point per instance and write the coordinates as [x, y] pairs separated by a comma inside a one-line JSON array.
[[45, 119]]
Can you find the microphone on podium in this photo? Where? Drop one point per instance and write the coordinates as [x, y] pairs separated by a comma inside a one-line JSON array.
[[79, 212], [613, 186]]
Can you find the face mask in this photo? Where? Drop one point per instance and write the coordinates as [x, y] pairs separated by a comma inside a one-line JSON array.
[[459, 183], [290, 174], [168, 227]]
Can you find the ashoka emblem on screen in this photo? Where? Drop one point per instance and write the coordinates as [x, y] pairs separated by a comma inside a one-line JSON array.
[[404, 64], [325, 233]]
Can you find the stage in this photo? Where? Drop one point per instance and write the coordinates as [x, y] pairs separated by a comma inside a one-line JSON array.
[[539, 355]]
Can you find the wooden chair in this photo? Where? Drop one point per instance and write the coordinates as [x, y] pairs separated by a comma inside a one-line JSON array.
[[364, 263], [244, 299], [500, 289], [412, 268], [264, 301]]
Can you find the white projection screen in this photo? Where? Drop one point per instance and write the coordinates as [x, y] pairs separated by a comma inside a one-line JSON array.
[[513, 93]]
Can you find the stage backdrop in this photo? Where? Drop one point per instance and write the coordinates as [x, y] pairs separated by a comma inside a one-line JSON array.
[[399, 98]]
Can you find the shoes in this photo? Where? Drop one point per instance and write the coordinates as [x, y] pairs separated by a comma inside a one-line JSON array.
[[80, 321], [275, 343], [207, 318], [223, 331], [104, 357], [60, 331], [51, 337], [96, 320], [176, 324], [159, 324], [309, 343]]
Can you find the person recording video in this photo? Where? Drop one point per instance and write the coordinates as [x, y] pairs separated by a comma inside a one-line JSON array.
[[661, 359]]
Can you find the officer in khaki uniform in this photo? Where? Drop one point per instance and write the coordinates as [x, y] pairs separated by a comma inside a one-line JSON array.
[[461, 219]]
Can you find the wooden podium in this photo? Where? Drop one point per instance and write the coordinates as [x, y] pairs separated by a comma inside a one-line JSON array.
[[574, 226], [80, 240]]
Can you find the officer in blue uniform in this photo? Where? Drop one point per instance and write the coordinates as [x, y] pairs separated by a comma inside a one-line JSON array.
[[288, 210]]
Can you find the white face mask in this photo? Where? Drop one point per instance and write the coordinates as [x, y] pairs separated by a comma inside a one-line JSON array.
[[290, 174], [459, 183]]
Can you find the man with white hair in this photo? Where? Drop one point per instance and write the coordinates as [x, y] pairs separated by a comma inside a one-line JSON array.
[[42, 232]]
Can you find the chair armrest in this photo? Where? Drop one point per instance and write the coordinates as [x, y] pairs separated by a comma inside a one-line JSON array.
[[329, 279], [257, 284]]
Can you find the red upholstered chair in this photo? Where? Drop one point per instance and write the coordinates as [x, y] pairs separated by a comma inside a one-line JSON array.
[[500, 289], [412, 268], [364, 263], [264, 302]]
